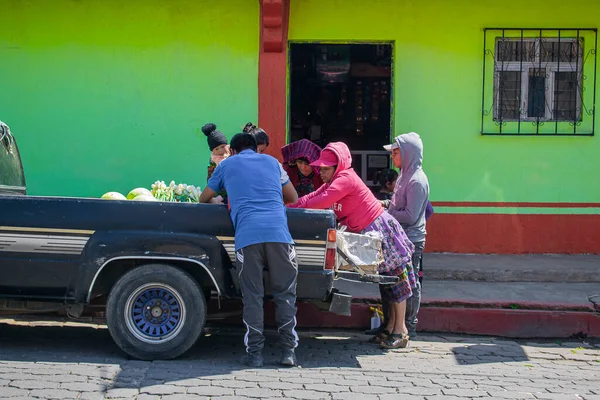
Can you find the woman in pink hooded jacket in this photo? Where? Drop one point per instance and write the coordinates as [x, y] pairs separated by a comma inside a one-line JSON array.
[[356, 207]]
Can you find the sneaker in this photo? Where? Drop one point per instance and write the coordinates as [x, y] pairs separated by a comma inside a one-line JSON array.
[[252, 360], [412, 334], [288, 358]]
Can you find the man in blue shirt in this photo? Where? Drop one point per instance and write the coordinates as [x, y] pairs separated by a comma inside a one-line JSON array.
[[257, 187]]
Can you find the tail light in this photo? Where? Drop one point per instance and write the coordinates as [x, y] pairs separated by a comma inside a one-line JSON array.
[[331, 249]]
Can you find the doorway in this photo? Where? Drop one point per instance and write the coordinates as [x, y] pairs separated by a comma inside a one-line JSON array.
[[343, 93]]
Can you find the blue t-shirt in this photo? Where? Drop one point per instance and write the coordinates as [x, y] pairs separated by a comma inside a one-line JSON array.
[[253, 183]]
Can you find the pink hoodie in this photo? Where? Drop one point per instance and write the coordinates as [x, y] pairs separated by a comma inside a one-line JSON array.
[[353, 203]]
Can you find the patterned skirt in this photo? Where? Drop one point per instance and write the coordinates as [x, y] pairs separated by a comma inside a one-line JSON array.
[[397, 256]]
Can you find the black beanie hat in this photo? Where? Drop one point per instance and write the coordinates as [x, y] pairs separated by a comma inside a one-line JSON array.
[[215, 138]]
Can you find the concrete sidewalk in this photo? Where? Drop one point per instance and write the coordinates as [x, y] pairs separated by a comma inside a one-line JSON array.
[[512, 268], [518, 279], [541, 295], [504, 295]]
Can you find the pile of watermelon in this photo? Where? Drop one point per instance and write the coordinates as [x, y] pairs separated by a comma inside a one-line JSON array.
[[182, 193]]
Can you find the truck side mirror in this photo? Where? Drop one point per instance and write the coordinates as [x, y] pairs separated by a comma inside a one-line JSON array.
[[6, 137]]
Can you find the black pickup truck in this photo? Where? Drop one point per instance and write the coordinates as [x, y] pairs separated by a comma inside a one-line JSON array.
[[149, 267]]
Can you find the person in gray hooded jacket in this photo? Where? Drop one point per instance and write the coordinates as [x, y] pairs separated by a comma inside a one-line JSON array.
[[409, 205]]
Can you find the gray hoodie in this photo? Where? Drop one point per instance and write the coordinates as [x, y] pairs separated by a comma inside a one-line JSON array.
[[411, 193]]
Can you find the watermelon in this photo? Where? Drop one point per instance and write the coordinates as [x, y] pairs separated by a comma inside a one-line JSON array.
[[138, 191], [113, 196], [144, 197]]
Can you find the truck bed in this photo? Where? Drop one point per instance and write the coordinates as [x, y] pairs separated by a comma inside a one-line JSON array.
[[54, 247]]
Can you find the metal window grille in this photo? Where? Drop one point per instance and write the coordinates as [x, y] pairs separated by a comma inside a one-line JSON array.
[[539, 81]]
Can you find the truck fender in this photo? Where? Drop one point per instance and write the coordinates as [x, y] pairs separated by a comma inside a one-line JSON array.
[[104, 248]]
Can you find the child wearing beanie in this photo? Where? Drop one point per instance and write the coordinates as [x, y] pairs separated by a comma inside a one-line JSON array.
[[217, 143]]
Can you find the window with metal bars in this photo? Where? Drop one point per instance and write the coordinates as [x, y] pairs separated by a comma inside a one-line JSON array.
[[539, 81]]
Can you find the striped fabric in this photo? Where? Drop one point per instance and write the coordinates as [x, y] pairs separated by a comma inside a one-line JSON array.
[[302, 148]]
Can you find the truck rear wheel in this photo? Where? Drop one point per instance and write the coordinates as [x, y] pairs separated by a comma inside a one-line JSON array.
[[155, 312]]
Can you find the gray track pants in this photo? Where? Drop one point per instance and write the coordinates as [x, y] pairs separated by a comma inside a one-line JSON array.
[[280, 260], [414, 302]]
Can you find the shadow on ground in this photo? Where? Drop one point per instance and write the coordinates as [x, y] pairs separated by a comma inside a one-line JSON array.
[[489, 353], [67, 350], [71, 350]]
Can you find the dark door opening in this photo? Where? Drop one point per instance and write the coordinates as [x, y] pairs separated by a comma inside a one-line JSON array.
[[342, 92]]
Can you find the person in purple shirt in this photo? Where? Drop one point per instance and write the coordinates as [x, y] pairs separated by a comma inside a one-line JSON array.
[[411, 207]]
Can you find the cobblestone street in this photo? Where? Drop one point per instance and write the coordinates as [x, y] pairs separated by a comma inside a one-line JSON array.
[[54, 362]]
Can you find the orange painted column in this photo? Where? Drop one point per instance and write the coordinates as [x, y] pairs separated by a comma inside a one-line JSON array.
[[272, 66]]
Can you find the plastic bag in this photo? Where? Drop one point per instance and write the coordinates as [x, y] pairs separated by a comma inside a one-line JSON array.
[[362, 250]]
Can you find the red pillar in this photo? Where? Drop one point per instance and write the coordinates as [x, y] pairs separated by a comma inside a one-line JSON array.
[[272, 65]]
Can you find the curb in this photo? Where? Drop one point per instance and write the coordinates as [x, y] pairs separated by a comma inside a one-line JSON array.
[[521, 305], [511, 323], [522, 320]]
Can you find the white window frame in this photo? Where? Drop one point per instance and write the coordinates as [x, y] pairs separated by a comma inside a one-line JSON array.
[[551, 69]]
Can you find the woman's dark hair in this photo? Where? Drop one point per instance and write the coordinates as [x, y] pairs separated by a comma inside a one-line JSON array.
[[294, 162], [384, 177], [243, 141], [259, 134]]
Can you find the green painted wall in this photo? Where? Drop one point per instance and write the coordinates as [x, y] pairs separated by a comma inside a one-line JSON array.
[[438, 89], [111, 95]]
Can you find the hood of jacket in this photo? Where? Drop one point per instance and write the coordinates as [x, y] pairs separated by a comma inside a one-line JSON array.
[[342, 153], [411, 151]]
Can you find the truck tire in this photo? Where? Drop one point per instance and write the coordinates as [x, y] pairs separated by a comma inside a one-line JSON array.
[[155, 312]]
